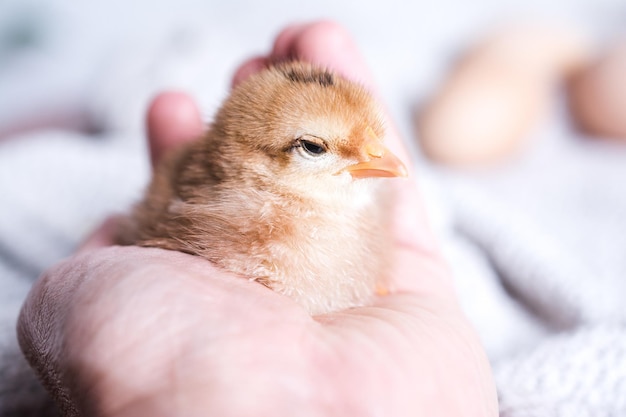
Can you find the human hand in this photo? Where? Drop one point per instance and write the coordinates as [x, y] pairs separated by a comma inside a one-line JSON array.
[[127, 331]]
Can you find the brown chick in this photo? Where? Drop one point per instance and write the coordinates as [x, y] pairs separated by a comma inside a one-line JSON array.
[[283, 189]]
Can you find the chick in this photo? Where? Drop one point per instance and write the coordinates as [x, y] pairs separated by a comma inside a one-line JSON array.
[[284, 189]]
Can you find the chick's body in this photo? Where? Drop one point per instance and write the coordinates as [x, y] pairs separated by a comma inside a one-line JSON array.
[[281, 190]]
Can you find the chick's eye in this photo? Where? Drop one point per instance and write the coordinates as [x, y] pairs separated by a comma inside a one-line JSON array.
[[313, 148]]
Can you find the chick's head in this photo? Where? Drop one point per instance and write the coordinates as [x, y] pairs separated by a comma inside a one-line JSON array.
[[305, 127]]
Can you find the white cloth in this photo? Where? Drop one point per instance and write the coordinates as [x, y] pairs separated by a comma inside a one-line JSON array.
[[537, 245]]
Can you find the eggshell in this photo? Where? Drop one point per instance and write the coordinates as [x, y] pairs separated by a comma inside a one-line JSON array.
[[496, 95], [597, 95]]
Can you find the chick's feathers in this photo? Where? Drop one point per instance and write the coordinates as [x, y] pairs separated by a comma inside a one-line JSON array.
[[265, 193]]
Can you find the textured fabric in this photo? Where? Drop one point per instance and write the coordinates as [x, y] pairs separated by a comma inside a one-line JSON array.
[[537, 245], [552, 226]]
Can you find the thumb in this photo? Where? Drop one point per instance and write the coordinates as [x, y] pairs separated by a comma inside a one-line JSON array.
[[173, 118]]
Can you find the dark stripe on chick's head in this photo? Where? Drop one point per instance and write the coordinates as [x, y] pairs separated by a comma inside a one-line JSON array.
[[304, 75]]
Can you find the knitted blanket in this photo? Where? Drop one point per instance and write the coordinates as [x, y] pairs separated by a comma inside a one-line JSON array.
[[537, 245]]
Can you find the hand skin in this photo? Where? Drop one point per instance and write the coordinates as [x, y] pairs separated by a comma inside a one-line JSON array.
[[127, 331]]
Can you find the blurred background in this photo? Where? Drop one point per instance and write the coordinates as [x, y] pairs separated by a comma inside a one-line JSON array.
[[56, 56], [534, 227]]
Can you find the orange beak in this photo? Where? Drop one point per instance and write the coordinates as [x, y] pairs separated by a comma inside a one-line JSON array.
[[381, 162]]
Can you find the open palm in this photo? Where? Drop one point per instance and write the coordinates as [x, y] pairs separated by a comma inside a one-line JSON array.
[[126, 331]]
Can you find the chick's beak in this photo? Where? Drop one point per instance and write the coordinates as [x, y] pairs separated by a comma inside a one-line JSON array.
[[380, 162]]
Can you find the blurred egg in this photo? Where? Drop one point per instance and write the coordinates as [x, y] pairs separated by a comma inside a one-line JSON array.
[[496, 95], [597, 94]]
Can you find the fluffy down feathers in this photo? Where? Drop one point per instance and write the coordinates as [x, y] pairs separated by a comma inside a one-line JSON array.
[[283, 189]]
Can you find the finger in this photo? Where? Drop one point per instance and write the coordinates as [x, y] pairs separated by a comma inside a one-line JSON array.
[[249, 67], [326, 44], [284, 42], [280, 51], [173, 119]]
